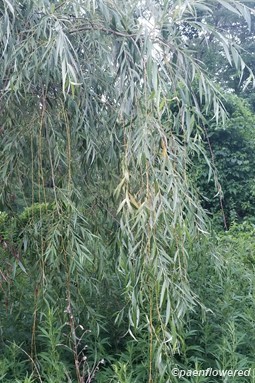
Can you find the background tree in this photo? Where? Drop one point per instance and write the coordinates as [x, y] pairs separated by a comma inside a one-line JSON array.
[[231, 148]]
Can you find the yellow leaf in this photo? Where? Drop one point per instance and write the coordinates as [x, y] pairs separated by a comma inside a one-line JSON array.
[[164, 148], [133, 201]]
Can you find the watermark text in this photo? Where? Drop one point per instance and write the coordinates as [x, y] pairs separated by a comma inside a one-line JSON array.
[[210, 372]]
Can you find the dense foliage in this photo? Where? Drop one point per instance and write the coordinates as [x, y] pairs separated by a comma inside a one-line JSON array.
[[231, 148], [104, 107]]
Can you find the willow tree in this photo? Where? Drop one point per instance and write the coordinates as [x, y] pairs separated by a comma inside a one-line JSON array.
[[102, 107]]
